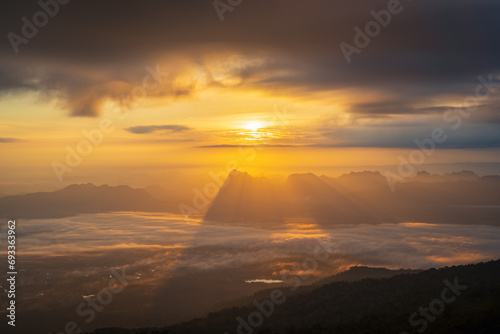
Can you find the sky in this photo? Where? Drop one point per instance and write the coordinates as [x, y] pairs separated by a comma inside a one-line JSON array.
[[272, 85]]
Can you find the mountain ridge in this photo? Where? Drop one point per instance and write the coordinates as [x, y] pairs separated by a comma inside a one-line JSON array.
[[357, 198], [78, 199], [352, 198], [372, 305]]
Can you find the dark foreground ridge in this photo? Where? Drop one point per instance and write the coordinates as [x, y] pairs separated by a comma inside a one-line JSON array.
[[458, 299]]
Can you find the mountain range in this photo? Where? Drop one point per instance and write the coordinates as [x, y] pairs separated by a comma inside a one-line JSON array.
[[362, 197], [354, 198], [78, 199]]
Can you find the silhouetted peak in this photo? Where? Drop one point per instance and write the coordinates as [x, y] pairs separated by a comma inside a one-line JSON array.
[[303, 177], [462, 174], [82, 186], [238, 175], [236, 172], [362, 175]]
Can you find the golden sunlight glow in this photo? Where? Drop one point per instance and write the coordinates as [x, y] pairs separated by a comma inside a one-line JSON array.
[[253, 126]]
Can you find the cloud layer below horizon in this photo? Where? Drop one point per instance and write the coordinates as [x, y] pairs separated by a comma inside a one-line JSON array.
[[405, 245]]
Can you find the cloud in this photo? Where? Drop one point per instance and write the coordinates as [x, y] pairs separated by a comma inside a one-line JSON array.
[[468, 136], [9, 140], [257, 145], [429, 50], [155, 128], [212, 246], [428, 57]]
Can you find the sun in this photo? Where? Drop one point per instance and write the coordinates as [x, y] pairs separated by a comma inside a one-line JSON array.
[[253, 126]]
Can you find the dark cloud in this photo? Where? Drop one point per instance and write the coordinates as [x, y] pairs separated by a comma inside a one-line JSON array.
[[93, 52], [470, 136], [429, 49], [155, 128], [9, 140]]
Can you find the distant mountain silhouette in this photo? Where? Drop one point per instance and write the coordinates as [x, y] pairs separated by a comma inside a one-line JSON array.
[[463, 175], [361, 197], [77, 199], [322, 200], [354, 198], [245, 198], [259, 200]]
